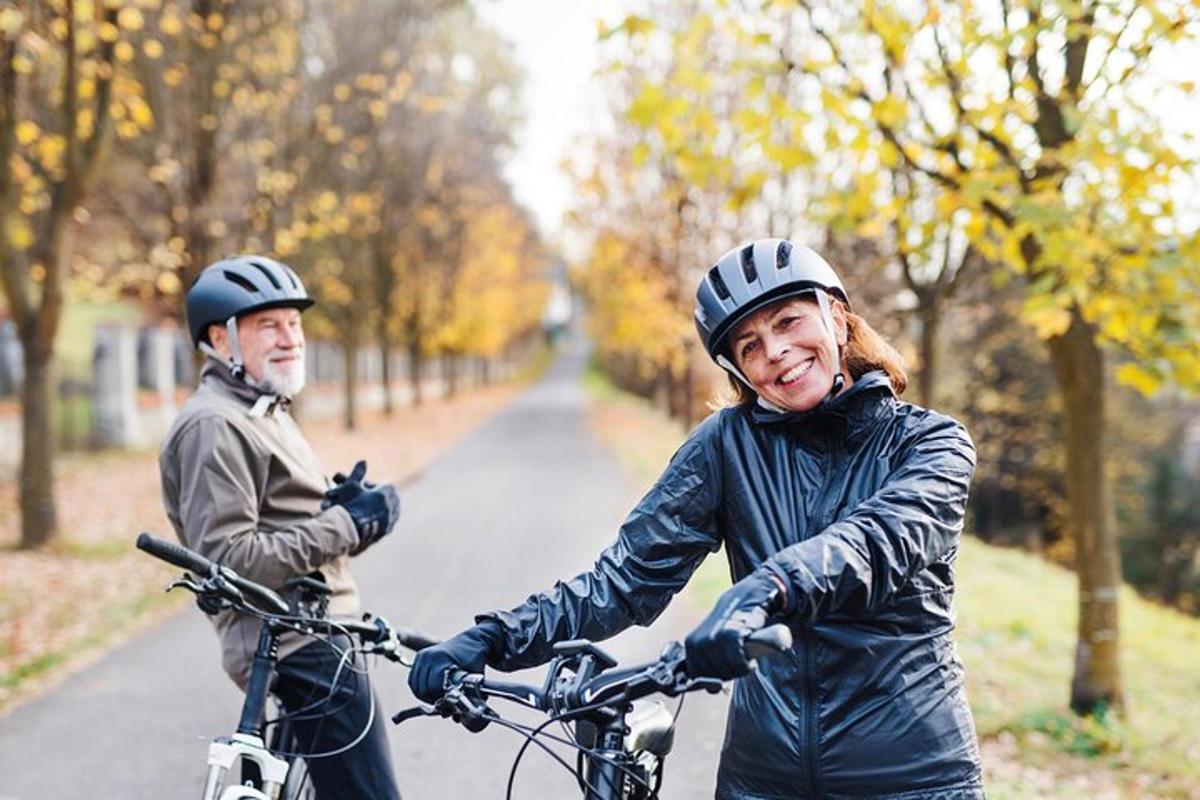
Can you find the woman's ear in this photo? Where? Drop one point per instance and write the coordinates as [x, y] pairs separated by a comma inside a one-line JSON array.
[[841, 322]]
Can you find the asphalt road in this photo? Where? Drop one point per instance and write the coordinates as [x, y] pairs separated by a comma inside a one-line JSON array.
[[529, 498]]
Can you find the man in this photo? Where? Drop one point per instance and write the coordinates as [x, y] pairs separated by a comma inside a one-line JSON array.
[[242, 486]]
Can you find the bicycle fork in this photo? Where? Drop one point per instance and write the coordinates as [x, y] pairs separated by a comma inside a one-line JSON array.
[[226, 753]]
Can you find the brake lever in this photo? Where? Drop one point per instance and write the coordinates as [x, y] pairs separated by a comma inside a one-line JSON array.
[[419, 710], [186, 582]]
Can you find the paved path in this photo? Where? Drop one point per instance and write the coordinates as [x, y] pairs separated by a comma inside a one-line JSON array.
[[528, 499]]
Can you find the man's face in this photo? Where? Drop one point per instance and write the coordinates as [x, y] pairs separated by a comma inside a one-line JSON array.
[[788, 354], [272, 344]]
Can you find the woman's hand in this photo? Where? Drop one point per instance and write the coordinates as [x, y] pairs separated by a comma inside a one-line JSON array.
[[715, 648], [470, 650]]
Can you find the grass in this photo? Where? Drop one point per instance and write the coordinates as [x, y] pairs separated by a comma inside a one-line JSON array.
[[1016, 635]]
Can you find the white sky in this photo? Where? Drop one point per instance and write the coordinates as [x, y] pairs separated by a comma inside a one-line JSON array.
[[556, 45]]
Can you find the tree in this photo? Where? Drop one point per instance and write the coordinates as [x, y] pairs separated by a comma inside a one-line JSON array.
[[1025, 124], [63, 93]]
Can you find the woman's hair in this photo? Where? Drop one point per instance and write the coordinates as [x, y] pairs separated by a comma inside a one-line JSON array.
[[865, 351]]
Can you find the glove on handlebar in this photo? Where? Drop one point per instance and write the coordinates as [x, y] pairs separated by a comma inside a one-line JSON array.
[[470, 650], [715, 647]]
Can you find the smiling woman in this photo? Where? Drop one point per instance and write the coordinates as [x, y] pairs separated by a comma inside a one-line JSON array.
[[839, 508]]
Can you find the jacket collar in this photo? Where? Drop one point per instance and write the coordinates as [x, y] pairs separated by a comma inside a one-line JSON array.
[[857, 406], [258, 402]]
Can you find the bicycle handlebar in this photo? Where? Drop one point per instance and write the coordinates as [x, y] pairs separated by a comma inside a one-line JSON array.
[[466, 691], [375, 629], [192, 561]]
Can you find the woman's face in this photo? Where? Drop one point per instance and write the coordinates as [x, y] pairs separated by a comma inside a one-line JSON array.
[[787, 354]]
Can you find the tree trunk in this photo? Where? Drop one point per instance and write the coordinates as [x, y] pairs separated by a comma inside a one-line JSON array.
[[931, 323], [450, 374], [1079, 367], [415, 366], [385, 354], [38, 517], [350, 359]]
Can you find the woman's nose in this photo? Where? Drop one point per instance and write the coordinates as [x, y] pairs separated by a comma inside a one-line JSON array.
[[775, 347]]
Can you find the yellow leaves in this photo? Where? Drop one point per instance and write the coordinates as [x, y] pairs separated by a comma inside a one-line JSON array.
[[170, 23], [1048, 314], [130, 19], [11, 22], [168, 283], [890, 111], [342, 92], [108, 32], [1146, 380], [124, 52], [19, 232], [648, 105], [325, 203], [27, 131], [50, 151]]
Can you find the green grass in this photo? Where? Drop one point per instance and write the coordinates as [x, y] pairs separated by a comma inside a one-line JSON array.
[[1016, 635]]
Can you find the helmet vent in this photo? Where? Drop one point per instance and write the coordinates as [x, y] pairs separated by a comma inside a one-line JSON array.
[[266, 273], [748, 268], [718, 283], [233, 277], [783, 255], [291, 276]]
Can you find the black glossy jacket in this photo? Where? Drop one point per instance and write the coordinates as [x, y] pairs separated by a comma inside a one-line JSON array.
[[861, 504]]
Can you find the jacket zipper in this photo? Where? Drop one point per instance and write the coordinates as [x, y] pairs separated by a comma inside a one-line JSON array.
[[809, 715]]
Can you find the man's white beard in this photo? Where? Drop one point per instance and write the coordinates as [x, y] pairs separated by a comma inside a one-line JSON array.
[[283, 378]]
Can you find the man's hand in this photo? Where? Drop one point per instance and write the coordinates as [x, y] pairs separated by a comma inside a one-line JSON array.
[[347, 487], [373, 508]]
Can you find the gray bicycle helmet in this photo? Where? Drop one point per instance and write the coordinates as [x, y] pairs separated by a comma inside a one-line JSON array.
[[237, 286], [749, 277]]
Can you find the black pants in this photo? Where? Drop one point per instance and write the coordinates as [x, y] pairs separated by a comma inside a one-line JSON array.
[[327, 716]]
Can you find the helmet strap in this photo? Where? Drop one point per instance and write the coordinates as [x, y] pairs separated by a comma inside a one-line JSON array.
[[235, 364]]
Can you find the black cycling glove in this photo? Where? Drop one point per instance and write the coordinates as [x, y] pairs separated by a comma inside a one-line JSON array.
[[715, 649], [347, 487], [470, 650], [373, 509]]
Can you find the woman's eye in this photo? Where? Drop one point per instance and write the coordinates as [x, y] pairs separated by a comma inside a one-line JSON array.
[[749, 348]]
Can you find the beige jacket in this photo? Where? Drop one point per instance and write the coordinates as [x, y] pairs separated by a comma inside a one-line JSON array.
[[243, 487]]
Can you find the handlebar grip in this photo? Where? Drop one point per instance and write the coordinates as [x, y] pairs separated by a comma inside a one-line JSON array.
[[413, 640], [175, 554], [768, 640], [192, 561]]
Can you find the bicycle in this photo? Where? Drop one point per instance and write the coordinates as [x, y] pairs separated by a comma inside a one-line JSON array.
[[621, 739], [274, 770]]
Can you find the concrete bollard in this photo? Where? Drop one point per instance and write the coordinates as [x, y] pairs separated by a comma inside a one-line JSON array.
[[115, 421], [12, 365]]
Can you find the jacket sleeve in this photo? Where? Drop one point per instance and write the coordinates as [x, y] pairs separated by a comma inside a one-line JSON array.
[[220, 477], [658, 548], [858, 564]]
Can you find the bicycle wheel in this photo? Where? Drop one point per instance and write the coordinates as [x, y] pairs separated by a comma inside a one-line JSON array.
[[297, 786]]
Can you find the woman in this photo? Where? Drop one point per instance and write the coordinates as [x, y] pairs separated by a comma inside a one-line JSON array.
[[840, 510]]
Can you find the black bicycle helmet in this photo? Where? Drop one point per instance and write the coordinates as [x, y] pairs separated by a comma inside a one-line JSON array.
[[237, 286], [749, 277]]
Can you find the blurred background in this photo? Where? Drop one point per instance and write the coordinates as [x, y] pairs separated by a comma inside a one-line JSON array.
[[1008, 188]]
